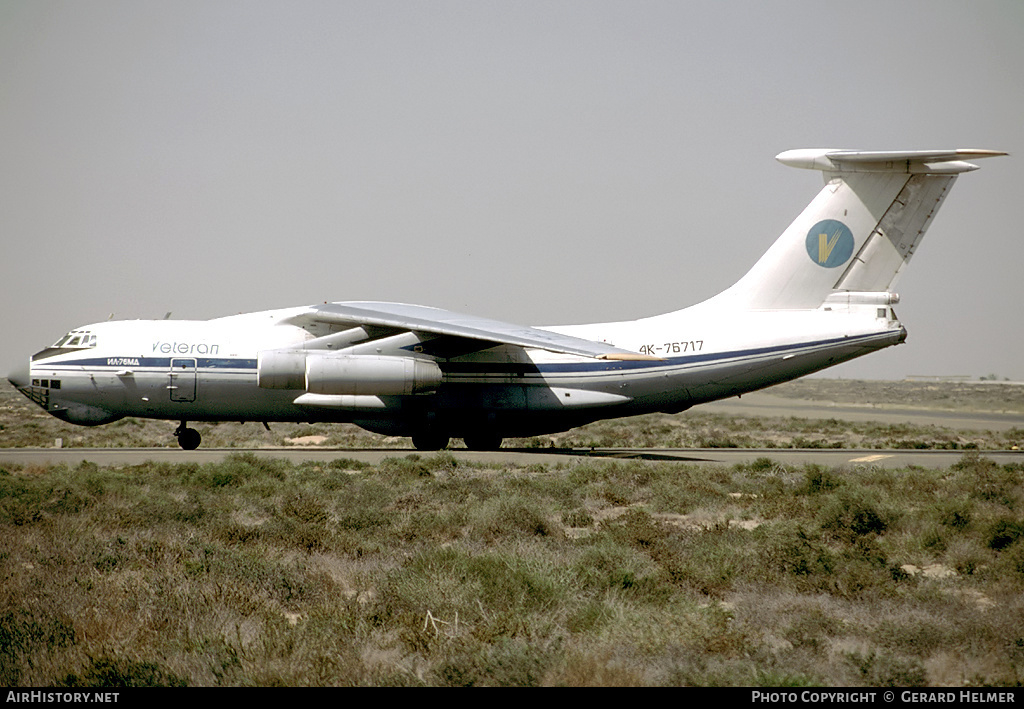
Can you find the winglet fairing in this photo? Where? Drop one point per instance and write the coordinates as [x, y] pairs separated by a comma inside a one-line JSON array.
[[820, 295]]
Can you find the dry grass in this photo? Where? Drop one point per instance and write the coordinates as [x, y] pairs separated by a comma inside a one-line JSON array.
[[428, 571]]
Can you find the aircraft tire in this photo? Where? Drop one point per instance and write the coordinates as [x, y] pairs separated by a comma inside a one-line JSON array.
[[189, 439], [483, 442], [430, 441]]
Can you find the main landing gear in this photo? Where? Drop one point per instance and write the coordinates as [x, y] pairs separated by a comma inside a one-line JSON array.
[[430, 441], [188, 438], [483, 442], [434, 441]]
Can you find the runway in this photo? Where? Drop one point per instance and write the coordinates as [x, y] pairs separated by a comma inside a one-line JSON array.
[[936, 459]]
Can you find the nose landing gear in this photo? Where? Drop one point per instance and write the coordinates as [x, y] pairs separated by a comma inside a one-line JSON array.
[[188, 438]]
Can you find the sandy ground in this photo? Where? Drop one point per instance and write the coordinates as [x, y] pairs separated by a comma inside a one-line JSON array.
[[958, 406], [961, 396]]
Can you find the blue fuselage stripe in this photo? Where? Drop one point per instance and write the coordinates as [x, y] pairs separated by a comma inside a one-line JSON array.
[[152, 362], [483, 368]]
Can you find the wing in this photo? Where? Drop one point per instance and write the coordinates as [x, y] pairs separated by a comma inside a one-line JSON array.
[[445, 323]]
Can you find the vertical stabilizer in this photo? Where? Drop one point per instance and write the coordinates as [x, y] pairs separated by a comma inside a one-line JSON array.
[[858, 233]]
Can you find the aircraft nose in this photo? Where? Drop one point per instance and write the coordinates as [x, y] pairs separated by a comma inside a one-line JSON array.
[[20, 377]]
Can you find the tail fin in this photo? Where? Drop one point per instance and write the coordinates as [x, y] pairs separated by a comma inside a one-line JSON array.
[[858, 233]]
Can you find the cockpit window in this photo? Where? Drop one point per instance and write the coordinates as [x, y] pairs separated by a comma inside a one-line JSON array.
[[76, 338]]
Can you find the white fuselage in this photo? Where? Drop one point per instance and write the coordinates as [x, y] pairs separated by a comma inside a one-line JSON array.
[[207, 370]]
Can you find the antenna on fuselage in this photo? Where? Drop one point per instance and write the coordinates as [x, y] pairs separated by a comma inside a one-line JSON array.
[[167, 316]]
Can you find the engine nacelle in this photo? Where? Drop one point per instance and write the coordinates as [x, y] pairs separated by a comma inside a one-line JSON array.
[[376, 375], [370, 374], [281, 369]]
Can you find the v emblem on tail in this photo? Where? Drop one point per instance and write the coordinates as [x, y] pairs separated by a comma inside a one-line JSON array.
[[825, 245]]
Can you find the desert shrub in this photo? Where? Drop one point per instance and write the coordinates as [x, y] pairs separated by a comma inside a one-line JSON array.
[[1011, 564], [884, 670], [818, 479], [578, 517], [295, 533], [792, 552], [858, 578], [305, 508], [23, 634], [915, 634], [850, 515], [638, 529], [718, 439], [1004, 532], [363, 506], [406, 466], [234, 534], [595, 670], [955, 514], [346, 464], [493, 594], [812, 629], [799, 558], [935, 538], [708, 561], [512, 516], [719, 634], [588, 617], [20, 505], [122, 672], [987, 480], [761, 464], [607, 564], [234, 471], [965, 556], [507, 663]]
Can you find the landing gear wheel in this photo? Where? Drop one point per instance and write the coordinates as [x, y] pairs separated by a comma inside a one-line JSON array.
[[188, 438], [430, 441], [483, 442]]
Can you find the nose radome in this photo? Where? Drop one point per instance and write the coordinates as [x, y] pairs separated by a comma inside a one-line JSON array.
[[20, 376]]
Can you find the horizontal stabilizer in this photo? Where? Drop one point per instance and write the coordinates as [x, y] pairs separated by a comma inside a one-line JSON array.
[[906, 161]]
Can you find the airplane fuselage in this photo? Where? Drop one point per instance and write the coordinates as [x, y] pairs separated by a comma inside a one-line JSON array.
[[208, 371]]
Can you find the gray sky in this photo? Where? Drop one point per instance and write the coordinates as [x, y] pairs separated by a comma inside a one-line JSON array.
[[537, 162]]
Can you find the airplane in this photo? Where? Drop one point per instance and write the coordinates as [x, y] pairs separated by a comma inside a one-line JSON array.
[[822, 294]]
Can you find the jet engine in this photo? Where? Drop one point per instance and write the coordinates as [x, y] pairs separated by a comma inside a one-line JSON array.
[[378, 375]]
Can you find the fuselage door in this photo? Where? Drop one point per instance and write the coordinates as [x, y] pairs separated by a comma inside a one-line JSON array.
[[182, 380]]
